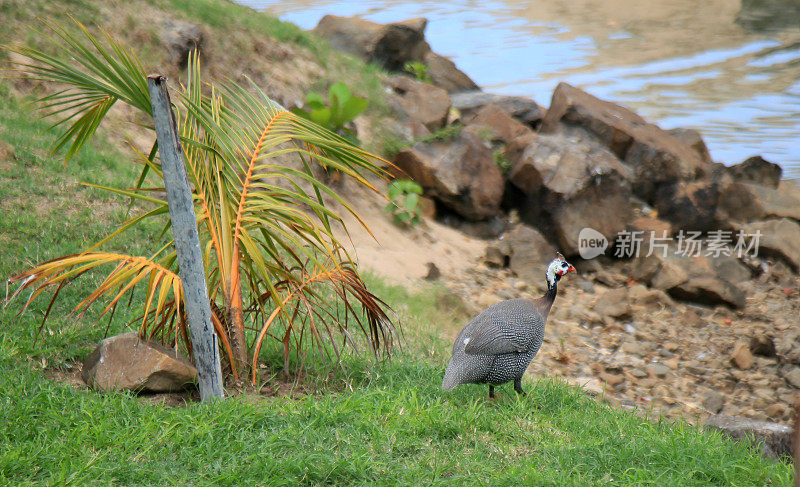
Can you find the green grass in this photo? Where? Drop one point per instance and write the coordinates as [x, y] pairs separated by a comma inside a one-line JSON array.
[[396, 427], [367, 423]]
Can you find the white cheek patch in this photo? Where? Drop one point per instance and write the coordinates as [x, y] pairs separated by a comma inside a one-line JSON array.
[[466, 340]]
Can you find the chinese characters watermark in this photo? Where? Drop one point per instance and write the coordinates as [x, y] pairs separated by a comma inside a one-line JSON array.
[[628, 244]]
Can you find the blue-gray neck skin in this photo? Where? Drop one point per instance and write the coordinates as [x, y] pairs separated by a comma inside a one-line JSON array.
[[552, 289]]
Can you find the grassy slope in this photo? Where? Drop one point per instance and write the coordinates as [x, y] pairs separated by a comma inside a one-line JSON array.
[[385, 424]]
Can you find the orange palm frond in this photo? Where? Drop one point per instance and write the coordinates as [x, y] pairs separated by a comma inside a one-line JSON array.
[[128, 271]]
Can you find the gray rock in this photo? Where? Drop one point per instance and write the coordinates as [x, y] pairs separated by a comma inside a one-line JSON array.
[[714, 402], [792, 376], [126, 362], [562, 165], [774, 439], [709, 290], [523, 109], [757, 170], [730, 269], [585, 285], [659, 370]]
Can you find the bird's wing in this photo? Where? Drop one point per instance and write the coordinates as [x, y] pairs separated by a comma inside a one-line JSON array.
[[506, 327]]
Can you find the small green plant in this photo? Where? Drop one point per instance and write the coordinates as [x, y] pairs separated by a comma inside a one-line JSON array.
[[393, 145], [343, 108], [501, 160], [404, 202], [445, 133], [418, 70]]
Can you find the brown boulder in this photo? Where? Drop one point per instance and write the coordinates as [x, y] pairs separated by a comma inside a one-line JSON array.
[[613, 303], [700, 278], [653, 154], [390, 45], [741, 356], [709, 290], [560, 164], [126, 362], [529, 252], [579, 184], [523, 109], [757, 170], [689, 205], [602, 206], [525, 251], [778, 238], [773, 439], [729, 268], [445, 74], [181, 38], [500, 127], [639, 294], [693, 139], [420, 102], [744, 202], [460, 174], [650, 226]]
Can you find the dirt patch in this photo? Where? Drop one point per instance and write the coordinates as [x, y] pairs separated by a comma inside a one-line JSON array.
[[276, 387], [70, 376], [402, 254]]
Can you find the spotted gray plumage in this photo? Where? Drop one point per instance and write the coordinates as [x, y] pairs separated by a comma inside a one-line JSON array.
[[497, 346]]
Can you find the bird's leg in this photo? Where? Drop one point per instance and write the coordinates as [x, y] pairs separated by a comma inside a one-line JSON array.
[[491, 391], [518, 386]]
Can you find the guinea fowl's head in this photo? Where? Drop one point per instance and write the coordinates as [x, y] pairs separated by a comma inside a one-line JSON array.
[[557, 269]]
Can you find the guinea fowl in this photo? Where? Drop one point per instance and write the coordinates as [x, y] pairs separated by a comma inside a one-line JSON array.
[[497, 345]]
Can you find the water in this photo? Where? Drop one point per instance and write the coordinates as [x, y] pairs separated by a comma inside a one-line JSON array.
[[729, 68]]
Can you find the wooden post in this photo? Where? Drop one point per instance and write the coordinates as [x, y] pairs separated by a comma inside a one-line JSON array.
[[187, 242]]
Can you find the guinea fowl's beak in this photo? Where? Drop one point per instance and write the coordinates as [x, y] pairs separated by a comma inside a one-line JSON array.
[[571, 269]]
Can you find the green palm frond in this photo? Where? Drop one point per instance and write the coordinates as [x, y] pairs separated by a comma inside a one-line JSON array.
[[106, 73]]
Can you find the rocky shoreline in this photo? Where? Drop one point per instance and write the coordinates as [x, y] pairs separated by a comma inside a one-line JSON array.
[[690, 307]]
